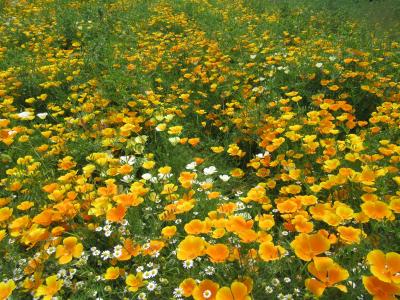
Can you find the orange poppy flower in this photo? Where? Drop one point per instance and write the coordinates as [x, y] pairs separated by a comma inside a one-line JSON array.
[[238, 224], [307, 199], [154, 247], [66, 163], [331, 164], [268, 251], [194, 141], [5, 213], [380, 290], [51, 287], [34, 235], [248, 282], [190, 248], [227, 208], [290, 189], [3, 234], [376, 210], [349, 234], [15, 186], [218, 252], [247, 236], [125, 169], [116, 214], [127, 200], [112, 273], [367, 176], [197, 226], [169, 189], [4, 201], [109, 190], [327, 274], [199, 160], [256, 194], [25, 205], [287, 206], [306, 246], [168, 231], [237, 291], [33, 265], [234, 150], [187, 286], [386, 267], [70, 248], [186, 179], [395, 204], [46, 217], [148, 165], [138, 188], [238, 173], [217, 149], [369, 197], [49, 188], [301, 224], [213, 195], [6, 288], [57, 231], [206, 290], [218, 233], [134, 282], [265, 222], [263, 237], [129, 249]]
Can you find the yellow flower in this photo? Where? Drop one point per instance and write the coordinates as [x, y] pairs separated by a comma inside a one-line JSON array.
[[190, 248], [217, 149], [168, 231], [25, 205], [164, 170], [334, 88], [70, 248], [50, 289], [238, 173], [175, 130], [327, 273], [331, 165], [6, 289], [2, 234], [112, 273], [385, 267], [161, 127], [237, 291], [148, 164], [5, 213], [234, 150], [134, 282], [169, 188]]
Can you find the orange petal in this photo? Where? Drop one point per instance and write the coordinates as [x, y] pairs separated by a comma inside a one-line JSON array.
[[341, 287], [77, 252], [393, 262], [70, 242], [65, 259], [316, 287], [239, 290], [116, 214], [376, 258], [224, 293]]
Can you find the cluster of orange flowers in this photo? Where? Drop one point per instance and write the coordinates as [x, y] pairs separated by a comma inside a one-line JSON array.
[[268, 168]]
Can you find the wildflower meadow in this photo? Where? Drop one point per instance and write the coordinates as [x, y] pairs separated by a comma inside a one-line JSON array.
[[199, 149]]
